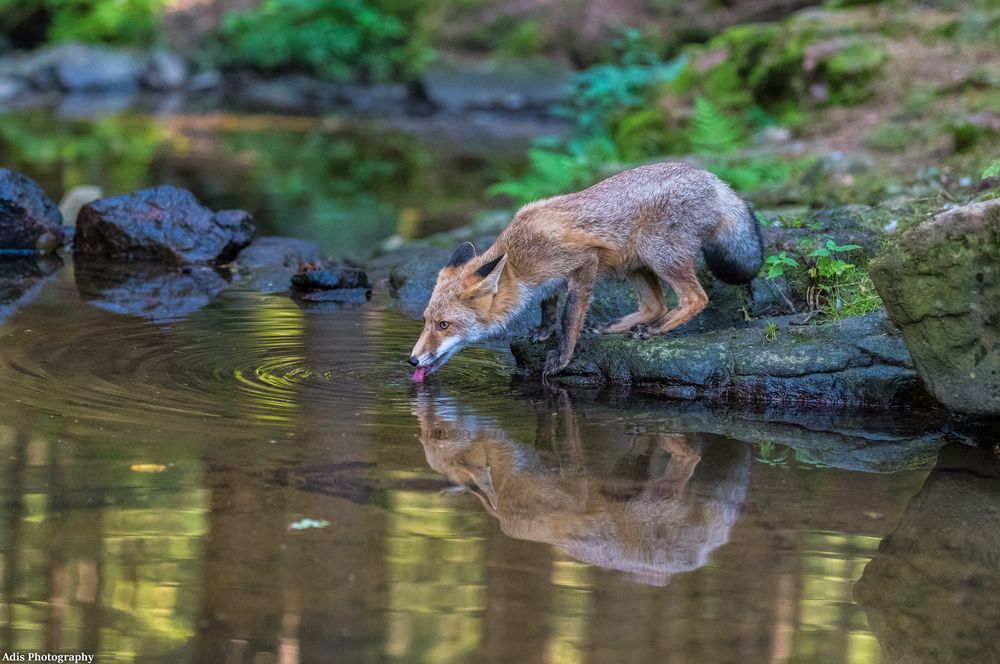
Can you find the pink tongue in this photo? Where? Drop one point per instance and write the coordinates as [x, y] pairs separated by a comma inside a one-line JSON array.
[[419, 375]]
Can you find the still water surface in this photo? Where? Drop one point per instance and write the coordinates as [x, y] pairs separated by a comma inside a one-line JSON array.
[[152, 473], [248, 481]]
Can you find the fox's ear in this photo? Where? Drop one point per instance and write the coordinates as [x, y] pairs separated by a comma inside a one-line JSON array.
[[465, 253], [486, 280]]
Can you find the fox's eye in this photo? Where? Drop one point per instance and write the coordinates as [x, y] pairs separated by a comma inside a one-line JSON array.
[[443, 324], [440, 434]]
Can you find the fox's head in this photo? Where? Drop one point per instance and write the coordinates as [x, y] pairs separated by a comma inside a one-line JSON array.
[[462, 309]]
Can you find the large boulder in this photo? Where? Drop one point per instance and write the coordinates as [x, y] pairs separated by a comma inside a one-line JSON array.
[[162, 224], [29, 220], [856, 362], [94, 68], [941, 286]]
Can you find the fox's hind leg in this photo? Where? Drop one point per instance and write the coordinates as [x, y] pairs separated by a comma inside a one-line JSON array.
[[550, 319], [691, 299], [652, 305]]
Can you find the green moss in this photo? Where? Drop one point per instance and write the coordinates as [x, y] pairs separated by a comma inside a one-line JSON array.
[[776, 65], [889, 137]]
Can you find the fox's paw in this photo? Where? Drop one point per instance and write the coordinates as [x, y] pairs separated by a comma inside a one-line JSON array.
[[593, 329], [641, 332], [542, 333], [553, 364]]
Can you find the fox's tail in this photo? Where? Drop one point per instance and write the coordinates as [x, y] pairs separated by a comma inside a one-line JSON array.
[[735, 252]]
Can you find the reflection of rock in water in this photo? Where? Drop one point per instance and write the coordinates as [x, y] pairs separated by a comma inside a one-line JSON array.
[[663, 508], [148, 291], [22, 278], [932, 593]]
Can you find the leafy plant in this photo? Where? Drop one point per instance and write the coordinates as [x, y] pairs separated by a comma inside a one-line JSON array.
[[840, 288], [104, 21], [769, 454], [775, 265], [711, 131], [771, 332], [336, 39], [992, 171]]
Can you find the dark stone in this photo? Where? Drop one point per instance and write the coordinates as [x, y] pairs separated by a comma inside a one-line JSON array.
[[162, 224], [930, 593], [165, 71], [29, 220], [269, 263], [821, 365], [22, 278], [333, 300], [489, 85], [941, 286], [239, 224], [331, 279], [159, 293], [80, 68]]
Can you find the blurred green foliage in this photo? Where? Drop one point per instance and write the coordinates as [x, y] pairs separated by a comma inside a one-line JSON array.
[[335, 39], [122, 22], [783, 67], [113, 151]]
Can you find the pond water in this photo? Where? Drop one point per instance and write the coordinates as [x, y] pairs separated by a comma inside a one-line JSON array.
[[247, 481]]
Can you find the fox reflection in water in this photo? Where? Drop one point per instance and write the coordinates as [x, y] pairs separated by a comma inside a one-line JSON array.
[[651, 505]]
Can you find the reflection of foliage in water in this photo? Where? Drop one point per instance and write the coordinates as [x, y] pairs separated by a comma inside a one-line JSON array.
[[346, 186], [118, 549], [351, 187], [114, 152]]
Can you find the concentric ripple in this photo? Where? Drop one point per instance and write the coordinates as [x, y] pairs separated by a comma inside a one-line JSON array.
[[247, 358]]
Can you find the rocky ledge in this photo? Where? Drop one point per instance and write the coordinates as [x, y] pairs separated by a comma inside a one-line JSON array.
[[857, 362]]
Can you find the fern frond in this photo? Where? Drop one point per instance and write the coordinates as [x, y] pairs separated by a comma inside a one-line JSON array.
[[711, 131]]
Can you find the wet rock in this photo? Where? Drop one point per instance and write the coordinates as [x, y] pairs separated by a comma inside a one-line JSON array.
[[11, 88], [490, 85], [29, 220], [157, 292], [822, 365], [162, 224], [80, 68], [165, 71], [76, 198], [941, 286], [269, 262], [931, 591], [331, 279], [329, 300], [22, 278]]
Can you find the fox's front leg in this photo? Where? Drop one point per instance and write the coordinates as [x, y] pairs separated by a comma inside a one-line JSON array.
[[550, 319], [580, 287]]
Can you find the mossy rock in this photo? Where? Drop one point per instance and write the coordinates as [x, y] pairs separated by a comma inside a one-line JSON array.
[[854, 362], [941, 285], [782, 67]]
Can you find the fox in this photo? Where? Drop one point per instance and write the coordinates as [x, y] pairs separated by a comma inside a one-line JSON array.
[[647, 223], [647, 514]]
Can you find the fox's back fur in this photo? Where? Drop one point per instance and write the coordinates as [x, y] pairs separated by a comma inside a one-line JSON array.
[[635, 218]]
